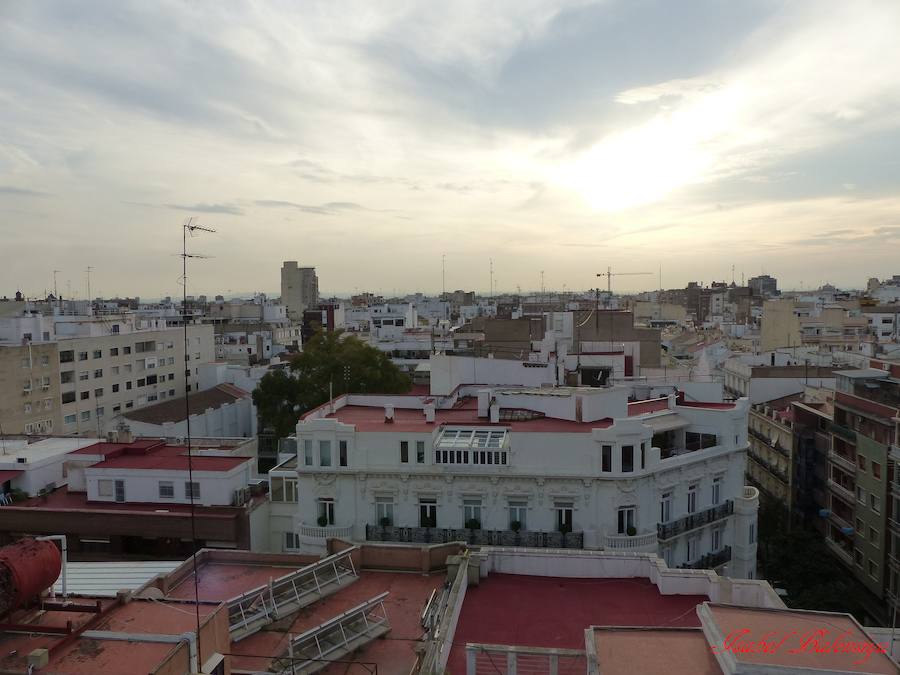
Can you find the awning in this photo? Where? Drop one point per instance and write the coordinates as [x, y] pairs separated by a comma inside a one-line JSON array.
[[668, 422], [8, 475]]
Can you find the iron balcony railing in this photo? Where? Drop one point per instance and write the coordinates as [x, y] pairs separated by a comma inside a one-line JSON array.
[[842, 491], [710, 560], [694, 520], [761, 437], [440, 535], [771, 468], [844, 462]]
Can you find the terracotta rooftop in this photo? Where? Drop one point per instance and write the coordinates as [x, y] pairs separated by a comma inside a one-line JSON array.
[[510, 609], [157, 454], [627, 651], [173, 410], [62, 499]]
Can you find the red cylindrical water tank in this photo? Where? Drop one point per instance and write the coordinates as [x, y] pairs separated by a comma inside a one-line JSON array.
[[27, 568]]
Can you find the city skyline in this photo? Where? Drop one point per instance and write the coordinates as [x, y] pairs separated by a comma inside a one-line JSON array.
[[370, 141]]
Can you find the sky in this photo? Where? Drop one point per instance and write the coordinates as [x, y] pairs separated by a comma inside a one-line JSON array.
[[697, 140]]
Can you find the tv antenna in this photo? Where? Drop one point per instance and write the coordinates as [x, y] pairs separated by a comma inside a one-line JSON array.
[[189, 228]]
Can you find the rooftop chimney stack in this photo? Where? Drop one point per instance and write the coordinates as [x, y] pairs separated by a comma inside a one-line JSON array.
[[484, 402], [429, 412], [495, 412], [388, 413]]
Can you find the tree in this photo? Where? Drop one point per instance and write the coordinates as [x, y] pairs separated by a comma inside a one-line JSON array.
[[330, 364]]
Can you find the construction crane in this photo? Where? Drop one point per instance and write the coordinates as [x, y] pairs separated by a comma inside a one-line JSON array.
[[609, 274]]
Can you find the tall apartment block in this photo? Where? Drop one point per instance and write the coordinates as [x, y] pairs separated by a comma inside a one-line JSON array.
[[299, 289]]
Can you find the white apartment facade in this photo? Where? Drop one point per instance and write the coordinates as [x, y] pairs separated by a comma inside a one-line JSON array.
[[102, 376], [574, 467], [299, 289]]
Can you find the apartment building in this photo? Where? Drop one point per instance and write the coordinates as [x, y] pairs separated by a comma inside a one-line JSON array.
[[770, 461], [884, 322], [573, 467], [29, 389], [299, 289], [830, 327], [862, 472], [105, 375]]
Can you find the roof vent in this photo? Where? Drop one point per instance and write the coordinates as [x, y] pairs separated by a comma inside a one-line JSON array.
[[429, 412], [388, 413]]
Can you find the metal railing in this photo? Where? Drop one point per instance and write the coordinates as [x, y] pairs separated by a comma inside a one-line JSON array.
[[341, 635], [694, 520], [844, 462], [506, 660], [842, 491], [317, 534], [710, 560], [767, 441], [251, 611], [843, 432], [624, 542], [479, 537], [839, 550]]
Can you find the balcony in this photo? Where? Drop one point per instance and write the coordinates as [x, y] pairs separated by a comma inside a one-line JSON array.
[[839, 521], [641, 543], [440, 535], [845, 463], [771, 468], [710, 560], [845, 433], [762, 438], [317, 536], [695, 520], [841, 491], [893, 524], [839, 551]]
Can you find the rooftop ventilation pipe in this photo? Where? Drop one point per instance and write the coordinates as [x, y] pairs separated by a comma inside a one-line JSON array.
[[388, 413]]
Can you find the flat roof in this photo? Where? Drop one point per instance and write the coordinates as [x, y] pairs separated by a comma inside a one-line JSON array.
[[62, 499], [679, 651], [814, 640], [864, 373], [165, 462], [220, 581], [105, 579], [43, 449], [407, 595], [530, 611]]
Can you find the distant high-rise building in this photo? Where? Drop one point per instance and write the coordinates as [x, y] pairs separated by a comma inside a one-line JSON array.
[[763, 285], [299, 289]]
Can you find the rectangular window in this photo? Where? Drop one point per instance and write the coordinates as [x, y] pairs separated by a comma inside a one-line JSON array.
[[472, 513], [606, 458], [291, 491], [67, 356], [858, 558], [324, 453], [342, 453], [861, 462], [166, 489], [45, 360], [692, 499], [85, 395], [665, 507], [875, 503], [126, 350], [98, 392], [692, 549], [717, 539], [83, 375], [420, 452], [68, 397], [291, 541], [404, 452], [384, 511], [518, 513], [128, 385], [627, 458], [114, 370], [142, 382], [69, 419], [114, 351], [626, 520], [876, 470], [427, 512], [873, 569], [27, 409], [67, 377], [325, 512], [104, 488], [191, 490], [85, 415], [751, 539], [82, 356], [115, 388], [860, 495], [98, 353], [716, 491], [564, 513], [308, 452], [873, 536]]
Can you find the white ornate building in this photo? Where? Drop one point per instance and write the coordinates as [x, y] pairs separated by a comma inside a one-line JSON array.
[[572, 467]]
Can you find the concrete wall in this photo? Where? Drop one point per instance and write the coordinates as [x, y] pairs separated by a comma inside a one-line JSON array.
[[448, 372], [142, 485]]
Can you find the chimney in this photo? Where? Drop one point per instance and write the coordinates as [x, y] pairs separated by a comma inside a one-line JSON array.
[[429, 412], [484, 402], [495, 412], [388, 413]]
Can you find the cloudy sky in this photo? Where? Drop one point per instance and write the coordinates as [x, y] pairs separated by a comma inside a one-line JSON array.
[[371, 138]]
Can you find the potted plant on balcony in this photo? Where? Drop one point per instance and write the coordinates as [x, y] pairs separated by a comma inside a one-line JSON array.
[[516, 526], [631, 531], [322, 521]]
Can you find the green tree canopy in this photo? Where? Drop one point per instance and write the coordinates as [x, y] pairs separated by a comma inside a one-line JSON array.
[[330, 362]]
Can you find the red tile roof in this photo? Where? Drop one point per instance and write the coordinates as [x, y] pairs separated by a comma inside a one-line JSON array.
[[510, 609], [8, 475], [167, 462]]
